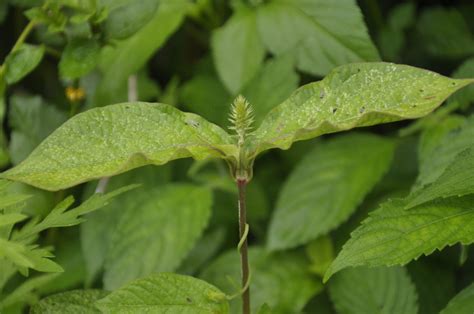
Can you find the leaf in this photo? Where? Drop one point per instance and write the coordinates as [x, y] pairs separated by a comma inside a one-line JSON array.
[[326, 187], [354, 95], [107, 141], [462, 303], [22, 61], [321, 254], [320, 34], [79, 57], [237, 50], [71, 302], [99, 227], [373, 291], [26, 290], [148, 239], [32, 121], [434, 283], [117, 63], [456, 180], [11, 219], [395, 236], [265, 309], [166, 293], [464, 97], [126, 19], [444, 33], [280, 280], [275, 82], [440, 145]]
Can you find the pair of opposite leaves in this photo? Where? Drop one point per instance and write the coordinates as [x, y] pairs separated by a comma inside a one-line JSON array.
[[110, 140]]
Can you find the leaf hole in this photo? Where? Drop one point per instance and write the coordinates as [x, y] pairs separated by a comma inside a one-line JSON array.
[[333, 110]]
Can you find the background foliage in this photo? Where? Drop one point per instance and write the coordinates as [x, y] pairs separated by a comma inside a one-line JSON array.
[[398, 197]]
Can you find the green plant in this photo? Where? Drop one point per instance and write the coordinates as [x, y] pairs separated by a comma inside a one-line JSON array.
[[143, 246]]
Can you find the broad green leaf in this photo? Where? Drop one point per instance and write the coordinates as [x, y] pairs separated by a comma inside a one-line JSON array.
[[107, 141], [123, 59], [393, 235], [237, 50], [462, 303], [354, 95], [32, 120], [166, 293], [147, 239], [320, 34], [126, 19], [440, 145], [79, 57], [445, 33], [434, 283], [327, 186], [71, 302], [26, 291], [378, 290], [456, 180], [22, 61], [280, 280], [100, 226]]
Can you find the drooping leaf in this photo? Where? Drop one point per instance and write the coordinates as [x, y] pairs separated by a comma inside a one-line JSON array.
[[379, 290], [111, 140], [393, 235], [320, 34], [79, 57], [117, 63], [445, 33], [22, 61], [148, 239], [327, 186], [462, 303], [166, 293], [71, 302], [354, 95], [456, 180], [237, 50], [32, 121], [280, 280]]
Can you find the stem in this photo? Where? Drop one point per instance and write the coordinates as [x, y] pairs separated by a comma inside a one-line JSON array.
[[244, 263]]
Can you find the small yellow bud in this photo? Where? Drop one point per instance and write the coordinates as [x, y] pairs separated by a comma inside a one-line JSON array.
[[75, 94]]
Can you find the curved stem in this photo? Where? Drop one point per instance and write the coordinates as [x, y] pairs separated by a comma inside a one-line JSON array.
[[244, 263]]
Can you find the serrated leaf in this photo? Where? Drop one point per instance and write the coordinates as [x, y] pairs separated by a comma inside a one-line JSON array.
[[99, 227], [237, 50], [117, 63], [107, 141], [354, 95], [22, 61], [79, 57], [280, 280], [327, 186], [456, 180], [462, 303], [320, 34], [147, 239], [166, 293], [395, 236], [439, 146], [71, 302], [379, 290]]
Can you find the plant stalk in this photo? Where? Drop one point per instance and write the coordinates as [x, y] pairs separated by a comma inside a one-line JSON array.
[[244, 263]]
